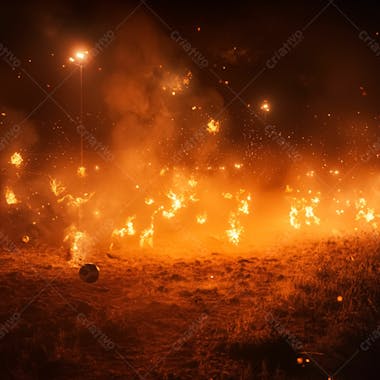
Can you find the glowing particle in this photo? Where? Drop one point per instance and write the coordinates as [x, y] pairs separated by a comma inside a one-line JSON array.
[[81, 171], [213, 127], [16, 159], [265, 106], [10, 196]]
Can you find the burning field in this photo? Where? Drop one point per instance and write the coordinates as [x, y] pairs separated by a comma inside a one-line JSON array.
[[183, 204]]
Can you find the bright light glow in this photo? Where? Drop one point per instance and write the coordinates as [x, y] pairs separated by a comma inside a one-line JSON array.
[[16, 159], [10, 196], [265, 106], [79, 56], [213, 127], [81, 171]]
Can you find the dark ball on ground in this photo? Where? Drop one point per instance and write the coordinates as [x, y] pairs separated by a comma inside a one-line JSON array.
[[89, 273]]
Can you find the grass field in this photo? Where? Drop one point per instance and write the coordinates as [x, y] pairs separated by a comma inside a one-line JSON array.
[[308, 311]]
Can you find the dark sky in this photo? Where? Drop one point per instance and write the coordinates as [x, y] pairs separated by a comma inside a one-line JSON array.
[[328, 85]]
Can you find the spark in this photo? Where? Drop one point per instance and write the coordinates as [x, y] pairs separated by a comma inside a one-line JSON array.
[[56, 187], [146, 237], [10, 196], [16, 159], [202, 218], [79, 242], [213, 127], [129, 228], [76, 201], [235, 230], [81, 171]]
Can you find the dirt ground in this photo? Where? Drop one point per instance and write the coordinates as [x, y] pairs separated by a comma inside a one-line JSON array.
[[307, 311]]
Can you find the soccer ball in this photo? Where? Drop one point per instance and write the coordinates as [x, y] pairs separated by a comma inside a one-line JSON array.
[[89, 273]]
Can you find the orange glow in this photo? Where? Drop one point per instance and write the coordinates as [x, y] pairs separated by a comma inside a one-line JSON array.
[[81, 171], [56, 187], [202, 218], [213, 127], [16, 159], [10, 196], [80, 56], [265, 106]]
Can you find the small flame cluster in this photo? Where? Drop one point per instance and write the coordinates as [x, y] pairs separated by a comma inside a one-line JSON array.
[[183, 201]]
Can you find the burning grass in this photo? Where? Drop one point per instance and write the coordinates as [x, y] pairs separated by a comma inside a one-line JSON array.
[[270, 314]]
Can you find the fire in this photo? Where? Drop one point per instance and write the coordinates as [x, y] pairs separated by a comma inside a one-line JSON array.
[[235, 230], [146, 237], [56, 187], [176, 204], [129, 228], [76, 201], [302, 211], [293, 218], [227, 195], [202, 218], [81, 171], [244, 204], [10, 196], [192, 182], [149, 201], [364, 212], [16, 159], [213, 127], [79, 243]]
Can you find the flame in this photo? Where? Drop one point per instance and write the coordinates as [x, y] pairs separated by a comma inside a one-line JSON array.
[[202, 218], [129, 228], [56, 187], [81, 171], [79, 243], [146, 236], [10, 196], [244, 205], [235, 230], [176, 204], [302, 211], [16, 159], [76, 201], [213, 127], [227, 195], [192, 182], [293, 218], [149, 201], [364, 212]]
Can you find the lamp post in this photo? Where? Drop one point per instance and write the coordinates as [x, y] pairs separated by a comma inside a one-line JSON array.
[[79, 59]]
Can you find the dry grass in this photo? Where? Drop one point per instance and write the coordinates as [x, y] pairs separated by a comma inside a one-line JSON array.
[[216, 317]]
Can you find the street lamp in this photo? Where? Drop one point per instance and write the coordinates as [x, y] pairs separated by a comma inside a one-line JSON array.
[[80, 57]]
